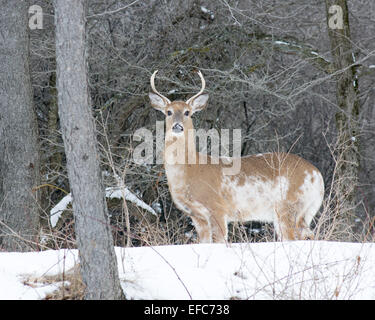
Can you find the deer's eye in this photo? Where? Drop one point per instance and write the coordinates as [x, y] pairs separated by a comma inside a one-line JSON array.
[[186, 113], [169, 112]]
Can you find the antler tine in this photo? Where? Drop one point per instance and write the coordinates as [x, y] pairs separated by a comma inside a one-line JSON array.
[[202, 89], [152, 82]]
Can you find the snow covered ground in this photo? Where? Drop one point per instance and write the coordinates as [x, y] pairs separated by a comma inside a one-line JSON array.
[[273, 270]]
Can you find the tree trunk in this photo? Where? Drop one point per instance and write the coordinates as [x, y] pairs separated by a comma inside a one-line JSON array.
[[97, 257], [348, 159], [19, 150]]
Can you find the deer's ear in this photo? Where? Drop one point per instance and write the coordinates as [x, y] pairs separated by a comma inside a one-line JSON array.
[[157, 102], [199, 103]]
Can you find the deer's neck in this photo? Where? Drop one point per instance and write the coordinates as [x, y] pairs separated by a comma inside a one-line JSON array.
[[180, 150]]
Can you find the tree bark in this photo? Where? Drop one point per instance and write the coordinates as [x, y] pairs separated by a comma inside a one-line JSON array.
[[19, 149], [97, 256], [348, 158]]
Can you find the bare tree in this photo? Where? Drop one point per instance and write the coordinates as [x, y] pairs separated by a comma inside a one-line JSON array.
[[97, 257], [347, 116], [19, 152]]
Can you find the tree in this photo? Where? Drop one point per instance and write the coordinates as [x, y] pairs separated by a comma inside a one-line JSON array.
[[97, 257], [19, 155], [347, 116]]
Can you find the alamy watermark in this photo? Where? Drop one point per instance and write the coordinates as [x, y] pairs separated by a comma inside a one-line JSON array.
[[183, 150], [35, 17], [336, 20]]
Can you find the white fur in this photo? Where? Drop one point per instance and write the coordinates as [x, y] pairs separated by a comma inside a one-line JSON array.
[[255, 199], [312, 192]]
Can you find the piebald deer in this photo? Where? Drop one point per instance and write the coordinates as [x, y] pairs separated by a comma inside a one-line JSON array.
[[273, 187]]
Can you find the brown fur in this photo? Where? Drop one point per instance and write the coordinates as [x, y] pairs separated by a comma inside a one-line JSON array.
[[210, 198]]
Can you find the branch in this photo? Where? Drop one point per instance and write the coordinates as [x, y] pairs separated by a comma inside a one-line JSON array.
[[303, 50], [111, 12], [110, 192]]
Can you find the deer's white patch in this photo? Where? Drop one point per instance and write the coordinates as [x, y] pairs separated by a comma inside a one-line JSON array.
[[312, 193], [256, 198]]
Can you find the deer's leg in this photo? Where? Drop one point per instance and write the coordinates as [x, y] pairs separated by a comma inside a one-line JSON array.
[[203, 227], [219, 229], [303, 230], [291, 225], [285, 224]]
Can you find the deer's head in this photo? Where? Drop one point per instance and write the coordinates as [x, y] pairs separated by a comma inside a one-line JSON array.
[[178, 113]]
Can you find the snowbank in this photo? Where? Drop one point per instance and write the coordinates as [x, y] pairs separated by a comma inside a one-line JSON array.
[[274, 270]]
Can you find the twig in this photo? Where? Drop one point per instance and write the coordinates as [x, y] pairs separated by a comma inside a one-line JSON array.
[[174, 270], [111, 12]]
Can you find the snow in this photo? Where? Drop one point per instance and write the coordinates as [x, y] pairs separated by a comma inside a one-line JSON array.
[[272, 270], [58, 209], [157, 207], [16, 268], [120, 193], [173, 91], [281, 42], [204, 9], [110, 192]]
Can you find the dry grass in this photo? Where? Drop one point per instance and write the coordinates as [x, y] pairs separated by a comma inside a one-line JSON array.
[[70, 285]]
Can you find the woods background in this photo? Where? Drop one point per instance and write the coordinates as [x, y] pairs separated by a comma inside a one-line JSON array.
[[273, 68]]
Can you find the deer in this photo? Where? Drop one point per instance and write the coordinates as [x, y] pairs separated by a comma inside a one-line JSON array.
[[276, 187]]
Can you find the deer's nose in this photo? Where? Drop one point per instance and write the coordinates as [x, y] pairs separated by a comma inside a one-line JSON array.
[[177, 128]]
